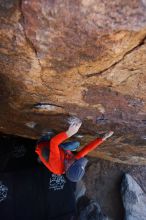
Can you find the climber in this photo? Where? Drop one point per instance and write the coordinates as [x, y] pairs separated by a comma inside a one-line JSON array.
[[59, 158]]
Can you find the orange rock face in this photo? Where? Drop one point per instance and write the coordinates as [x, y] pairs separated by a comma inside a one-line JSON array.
[[83, 58]]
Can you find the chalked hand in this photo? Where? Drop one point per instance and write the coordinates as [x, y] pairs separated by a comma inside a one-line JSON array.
[[107, 135], [75, 123], [74, 120]]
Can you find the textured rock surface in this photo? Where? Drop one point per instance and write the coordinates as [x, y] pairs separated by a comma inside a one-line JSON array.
[[134, 199], [103, 182], [84, 58]]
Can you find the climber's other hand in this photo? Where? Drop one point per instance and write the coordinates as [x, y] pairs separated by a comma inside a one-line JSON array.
[[107, 135]]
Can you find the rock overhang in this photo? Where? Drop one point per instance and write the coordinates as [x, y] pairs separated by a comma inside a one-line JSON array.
[[83, 58]]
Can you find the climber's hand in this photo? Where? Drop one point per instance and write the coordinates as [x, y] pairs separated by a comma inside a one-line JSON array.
[[107, 135], [73, 128]]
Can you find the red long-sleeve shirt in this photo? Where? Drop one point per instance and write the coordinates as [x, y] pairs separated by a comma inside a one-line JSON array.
[[57, 155]]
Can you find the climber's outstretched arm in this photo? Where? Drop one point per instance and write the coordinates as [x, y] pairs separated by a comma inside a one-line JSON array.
[[92, 145], [89, 147]]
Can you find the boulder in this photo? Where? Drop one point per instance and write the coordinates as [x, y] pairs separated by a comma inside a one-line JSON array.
[[83, 58], [134, 199]]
